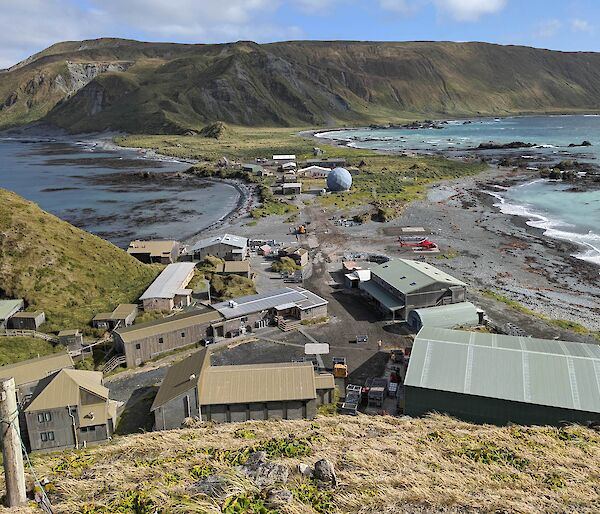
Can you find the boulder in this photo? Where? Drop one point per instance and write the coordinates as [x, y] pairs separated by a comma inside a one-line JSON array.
[[279, 497], [325, 472], [304, 469], [263, 472], [212, 485]]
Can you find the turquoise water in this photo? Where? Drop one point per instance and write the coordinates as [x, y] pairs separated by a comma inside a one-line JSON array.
[[562, 214], [99, 189]]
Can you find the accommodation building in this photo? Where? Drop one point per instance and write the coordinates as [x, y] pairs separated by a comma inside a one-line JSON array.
[[298, 255], [140, 343], [162, 252], [260, 310], [284, 158], [168, 289], [228, 247], [401, 285], [27, 320], [69, 409], [8, 308], [255, 169], [289, 177], [240, 268], [123, 316], [491, 378], [195, 388], [288, 167], [314, 172], [28, 373], [291, 188]]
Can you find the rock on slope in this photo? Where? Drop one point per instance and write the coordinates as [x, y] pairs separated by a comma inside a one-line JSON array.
[[56, 267], [158, 87], [380, 465]]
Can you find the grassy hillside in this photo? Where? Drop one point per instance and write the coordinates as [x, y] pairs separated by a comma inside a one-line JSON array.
[[383, 464], [68, 273], [168, 88]]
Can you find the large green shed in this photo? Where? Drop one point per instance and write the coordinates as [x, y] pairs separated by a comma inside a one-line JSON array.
[[491, 378]]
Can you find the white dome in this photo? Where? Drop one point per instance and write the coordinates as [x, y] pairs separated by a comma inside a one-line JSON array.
[[339, 180]]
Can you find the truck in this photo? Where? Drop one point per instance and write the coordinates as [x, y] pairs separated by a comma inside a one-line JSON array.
[[352, 400], [340, 368]]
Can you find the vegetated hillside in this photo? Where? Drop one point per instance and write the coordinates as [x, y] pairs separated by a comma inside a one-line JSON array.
[[58, 268], [383, 465], [172, 88]]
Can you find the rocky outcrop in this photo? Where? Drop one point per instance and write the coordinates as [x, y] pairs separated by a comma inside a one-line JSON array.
[[80, 74]]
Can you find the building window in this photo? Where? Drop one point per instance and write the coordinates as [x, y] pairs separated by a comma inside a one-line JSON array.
[[44, 417], [138, 346], [245, 318], [47, 436], [88, 429], [161, 340], [183, 334]]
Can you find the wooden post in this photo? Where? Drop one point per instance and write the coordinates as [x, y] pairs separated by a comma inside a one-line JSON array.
[[12, 451]]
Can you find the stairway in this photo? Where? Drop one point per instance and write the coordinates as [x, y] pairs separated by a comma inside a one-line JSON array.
[[114, 363]]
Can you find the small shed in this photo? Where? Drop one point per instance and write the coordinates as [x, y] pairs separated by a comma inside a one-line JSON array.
[[72, 338], [265, 250], [445, 316], [27, 320], [352, 280], [292, 188]]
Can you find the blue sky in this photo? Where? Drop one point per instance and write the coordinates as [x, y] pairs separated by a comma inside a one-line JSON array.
[[27, 26]]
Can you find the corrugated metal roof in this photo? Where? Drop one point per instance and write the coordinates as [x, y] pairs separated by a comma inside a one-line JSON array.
[[537, 371], [63, 389], [381, 295], [260, 302], [257, 383], [153, 248], [28, 315], [226, 239], [407, 275], [9, 307], [177, 380], [123, 310], [447, 316], [32, 370], [284, 157], [169, 281], [169, 324]]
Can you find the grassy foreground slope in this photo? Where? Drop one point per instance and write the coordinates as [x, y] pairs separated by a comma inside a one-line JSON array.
[[171, 88], [384, 465], [56, 267]]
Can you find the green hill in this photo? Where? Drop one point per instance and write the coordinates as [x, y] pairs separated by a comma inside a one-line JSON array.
[[383, 465], [172, 88], [56, 267]]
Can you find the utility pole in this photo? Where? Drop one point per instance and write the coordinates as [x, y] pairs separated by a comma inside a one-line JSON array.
[[12, 450]]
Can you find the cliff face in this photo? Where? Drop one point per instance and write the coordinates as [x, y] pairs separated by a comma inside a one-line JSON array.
[[147, 87]]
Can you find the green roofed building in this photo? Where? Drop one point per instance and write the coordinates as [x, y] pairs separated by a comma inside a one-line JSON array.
[[462, 314], [491, 378], [401, 285]]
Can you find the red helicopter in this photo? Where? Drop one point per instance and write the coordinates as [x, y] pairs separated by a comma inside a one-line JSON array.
[[423, 244]]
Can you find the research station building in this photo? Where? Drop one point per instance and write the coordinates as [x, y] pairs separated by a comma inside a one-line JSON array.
[[402, 285], [227, 247], [149, 252], [491, 378], [145, 341], [195, 388], [69, 409], [168, 290], [286, 307]]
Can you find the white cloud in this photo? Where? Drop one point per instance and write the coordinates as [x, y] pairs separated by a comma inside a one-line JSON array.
[[315, 6], [27, 26], [459, 10], [580, 25], [470, 10], [548, 28]]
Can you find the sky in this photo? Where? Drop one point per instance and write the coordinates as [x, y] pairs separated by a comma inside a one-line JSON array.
[[28, 26]]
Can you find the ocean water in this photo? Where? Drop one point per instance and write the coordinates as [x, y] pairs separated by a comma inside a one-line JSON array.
[[101, 189], [548, 205]]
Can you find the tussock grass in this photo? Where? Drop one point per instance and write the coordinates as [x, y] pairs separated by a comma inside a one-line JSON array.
[[62, 270], [383, 463]]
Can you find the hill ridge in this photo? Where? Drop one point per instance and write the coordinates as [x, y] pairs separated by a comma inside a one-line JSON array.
[[171, 87]]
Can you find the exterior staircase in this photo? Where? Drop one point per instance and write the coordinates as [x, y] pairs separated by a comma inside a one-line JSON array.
[[287, 325], [114, 363]]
